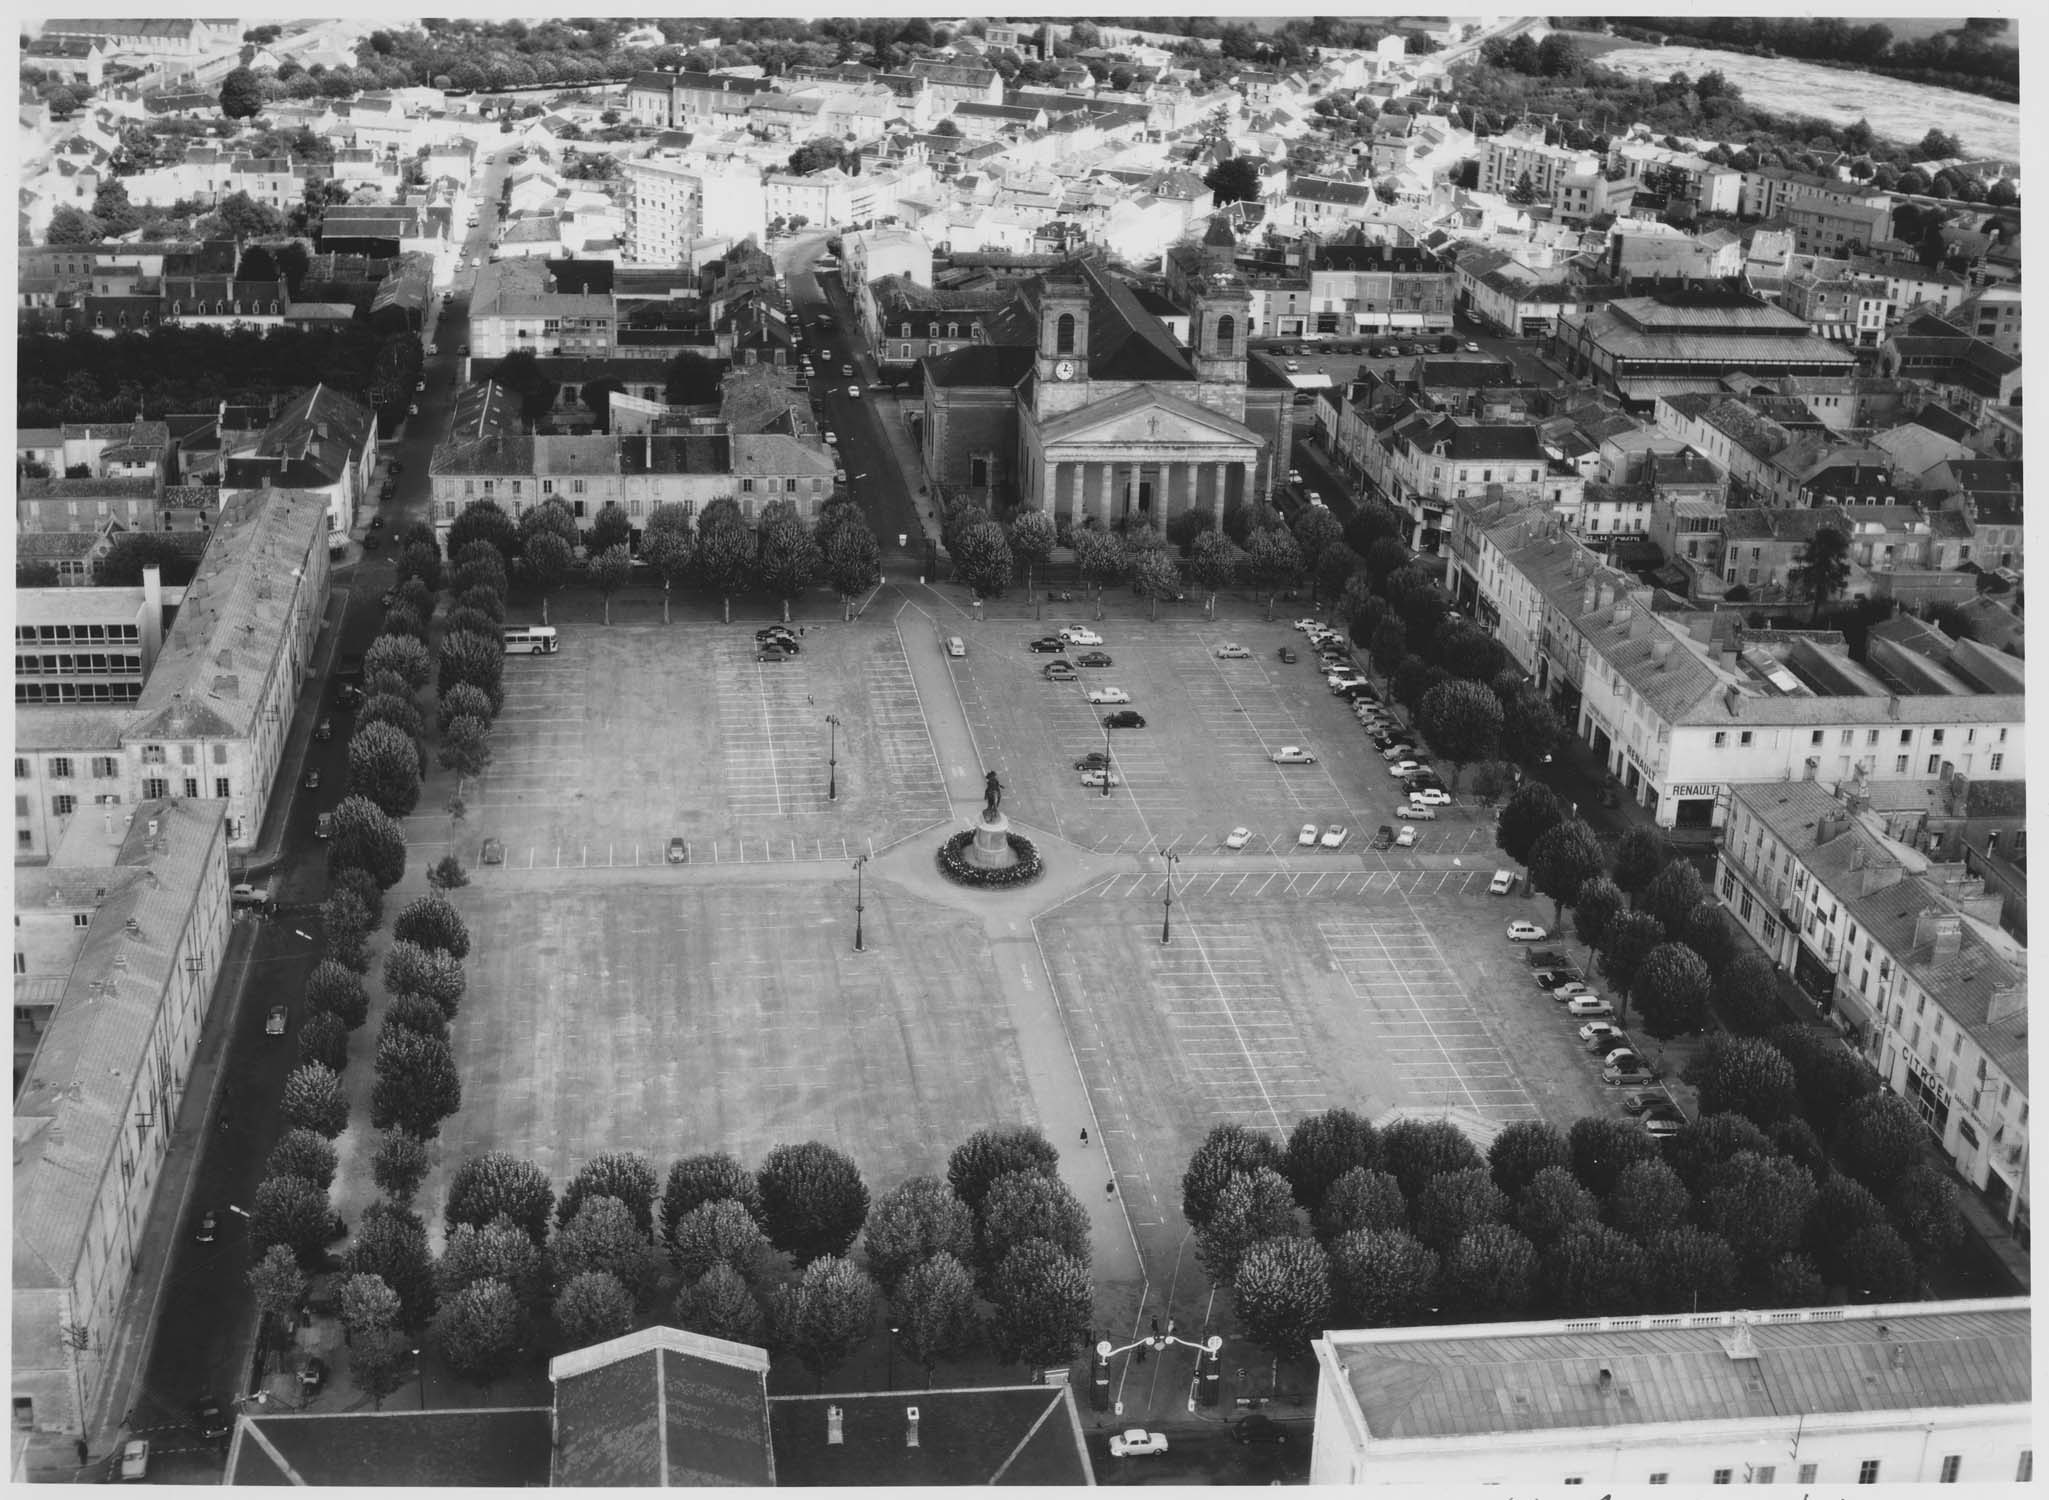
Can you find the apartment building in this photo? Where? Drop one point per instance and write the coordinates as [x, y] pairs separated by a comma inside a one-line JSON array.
[[1357, 290], [1828, 216], [518, 304], [118, 943], [86, 646], [1903, 953], [1506, 157], [1920, 1392]]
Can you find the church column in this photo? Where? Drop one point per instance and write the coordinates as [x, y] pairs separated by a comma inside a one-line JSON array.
[[1220, 492], [1100, 509]]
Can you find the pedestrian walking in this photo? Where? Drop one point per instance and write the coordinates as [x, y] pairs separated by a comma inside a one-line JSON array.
[[1156, 1327], [84, 1453], [1141, 1353], [1110, 1188], [1084, 1135]]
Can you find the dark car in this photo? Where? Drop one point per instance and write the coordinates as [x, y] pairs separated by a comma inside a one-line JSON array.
[[1383, 837], [1095, 760], [211, 1418], [1359, 692], [1093, 659], [780, 643], [1288, 654], [1047, 643], [312, 1376], [1546, 958], [776, 632], [1059, 671], [769, 653], [1550, 979], [312, 782], [324, 730], [1124, 718], [1258, 1429], [209, 1226]]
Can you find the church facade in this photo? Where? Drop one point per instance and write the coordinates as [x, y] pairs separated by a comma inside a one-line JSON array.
[[1085, 406]]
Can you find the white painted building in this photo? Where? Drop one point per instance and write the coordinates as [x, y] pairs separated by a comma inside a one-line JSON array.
[[1900, 1393]]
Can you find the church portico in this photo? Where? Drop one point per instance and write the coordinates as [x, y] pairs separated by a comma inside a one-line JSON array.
[[1141, 455]]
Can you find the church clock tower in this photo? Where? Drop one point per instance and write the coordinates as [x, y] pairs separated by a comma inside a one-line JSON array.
[[1223, 329], [1063, 355]]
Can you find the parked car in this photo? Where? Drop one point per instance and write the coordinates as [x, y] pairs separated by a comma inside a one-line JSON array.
[[1307, 838], [1232, 651], [1124, 718], [1502, 883], [133, 1467], [1100, 778], [1334, 836], [494, 851], [1046, 643], [854, 391], [1257, 1428], [1079, 635], [1383, 837], [1588, 1005], [324, 730], [1238, 838], [209, 1227], [775, 632], [1546, 958], [1563, 989], [312, 781], [1430, 796], [1293, 755], [211, 1418], [1305, 625], [323, 826], [1288, 656], [1602, 1036], [1631, 1075], [1136, 1442], [1094, 760], [1406, 767], [1661, 1123], [1059, 671], [1093, 659], [1109, 695], [274, 1022], [1407, 837], [312, 1376], [1551, 979], [770, 653], [1525, 932]]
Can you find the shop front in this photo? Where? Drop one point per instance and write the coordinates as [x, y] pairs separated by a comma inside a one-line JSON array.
[[1694, 802]]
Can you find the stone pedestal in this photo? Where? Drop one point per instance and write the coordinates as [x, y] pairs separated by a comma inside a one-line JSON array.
[[991, 848]]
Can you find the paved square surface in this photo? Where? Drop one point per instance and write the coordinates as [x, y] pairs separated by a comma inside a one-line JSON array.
[[1283, 995], [633, 734], [1203, 763], [658, 1011]]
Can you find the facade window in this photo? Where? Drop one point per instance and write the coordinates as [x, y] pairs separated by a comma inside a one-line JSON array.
[[1721, 739], [1661, 1477], [81, 919], [2024, 1471], [1764, 1474], [192, 786], [1871, 737], [747, 486], [1934, 764], [1744, 738], [1063, 334], [1996, 762], [1906, 736], [60, 767], [1867, 1471], [220, 787], [63, 805], [1723, 1476], [20, 768], [155, 787], [1899, 764], [1807, 1473]]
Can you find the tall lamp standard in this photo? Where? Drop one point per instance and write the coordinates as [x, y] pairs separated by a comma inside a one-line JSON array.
[[859, 861], [832, 758], [892, 1356], [1106, 755], [1167, 920], [420, 1369]]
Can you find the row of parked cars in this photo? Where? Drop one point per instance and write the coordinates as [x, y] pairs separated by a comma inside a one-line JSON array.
[[1392, 738], [1622, 1065]]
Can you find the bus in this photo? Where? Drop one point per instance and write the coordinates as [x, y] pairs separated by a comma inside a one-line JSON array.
[[536, 640]]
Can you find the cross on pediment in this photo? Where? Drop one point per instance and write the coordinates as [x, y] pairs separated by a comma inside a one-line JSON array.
[[1152, 425]]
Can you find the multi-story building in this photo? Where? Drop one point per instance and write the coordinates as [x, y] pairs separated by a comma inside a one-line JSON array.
[[118, 943], [1377, 289], [216, 705], [1827, 215], [1506, 157], [1993, 314], [1920, 1392], [1642, 348], [88, 645], [517, 304], [1680, 705], [322, 442], [1904, 954], [1837, 305]]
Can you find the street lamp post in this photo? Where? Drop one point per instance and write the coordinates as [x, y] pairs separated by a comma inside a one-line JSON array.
[[832, 758], [892, 1356], [1106, 755], [1167, 921], [420, 1369], [859, 861]]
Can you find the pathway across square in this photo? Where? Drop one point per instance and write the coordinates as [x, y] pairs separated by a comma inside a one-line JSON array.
[[632, 735]]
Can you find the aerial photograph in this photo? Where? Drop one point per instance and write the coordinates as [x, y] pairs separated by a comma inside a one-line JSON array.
[[877, 751]]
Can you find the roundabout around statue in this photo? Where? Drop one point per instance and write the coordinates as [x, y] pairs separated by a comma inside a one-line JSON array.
[[989, 854]]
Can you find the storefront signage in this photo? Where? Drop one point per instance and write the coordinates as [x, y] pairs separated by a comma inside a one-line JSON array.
[[1697, 789]]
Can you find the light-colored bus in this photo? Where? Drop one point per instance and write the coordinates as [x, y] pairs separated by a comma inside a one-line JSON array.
[[536, 640]]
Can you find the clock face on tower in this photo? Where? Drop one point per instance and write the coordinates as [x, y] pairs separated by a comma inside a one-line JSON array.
[[1064, 370]]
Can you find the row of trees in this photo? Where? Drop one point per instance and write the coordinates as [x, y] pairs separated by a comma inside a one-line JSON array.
[[997, 1250], [1348, 1226], [1970, 56]]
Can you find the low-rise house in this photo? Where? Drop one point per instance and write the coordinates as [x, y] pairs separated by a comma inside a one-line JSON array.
[[321, 443]]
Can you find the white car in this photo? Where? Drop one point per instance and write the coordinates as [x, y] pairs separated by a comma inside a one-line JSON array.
[[1136, 1442], [1502, 883], [1306, 626], [1233, 652], [1294, 476], [1334, 836], [832, 438], [1109, 695], [1600, 1032], [1588, 1005], [1238, 838], [1525, 932], [1306, 839], [1430, 796], [854, 391], [1400, 750], [1079, 635], [1293, 755], [1407, 837], [1337, 682], [1100, 778], [1406, 768]]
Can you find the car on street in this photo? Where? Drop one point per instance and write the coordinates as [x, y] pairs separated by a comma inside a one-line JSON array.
[[1622, 1056], [846, 369], [1337, 682], [494, 851], [1306, 625], [1092, 761], [1406, 767], [1124, 718], [775, 632], [274, 1023], [1046, 643], [1288, 656], [1307, 838], [1471, 347], [1093, 659], [1383, 837], [832, 439], [770, 653], [1430, 796], [1294, 366], [1399, 754], [1079, 635], [1059, 671], [312, 1376], [209, 1226], [1136, 1442], [134, 1464], [1525, 932], [1237, 838], [324, 730], [1294, 476], [1232, 651], [854, 391], [1256, 1428], [1502, 883], [1109, 695], [1407, 837], [1334, 836], [1602, 1036], [1293, 755], [678, 851], [312, 781], [1659, 1126], [323, 826], [1588, 1005], [1101, 777], [211, 1418]]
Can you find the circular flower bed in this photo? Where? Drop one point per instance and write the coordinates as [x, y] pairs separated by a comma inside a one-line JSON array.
[[954, 866]]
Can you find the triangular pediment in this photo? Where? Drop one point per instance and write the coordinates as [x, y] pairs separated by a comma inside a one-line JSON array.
[[1145, 415]]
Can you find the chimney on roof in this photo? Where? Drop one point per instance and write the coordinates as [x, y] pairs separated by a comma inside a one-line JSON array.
[[1942, 931]]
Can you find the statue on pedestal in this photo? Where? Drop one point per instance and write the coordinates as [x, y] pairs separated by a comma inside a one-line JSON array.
[[992, 792]]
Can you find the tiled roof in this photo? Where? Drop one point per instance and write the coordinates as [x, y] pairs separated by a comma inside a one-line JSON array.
[[998, 365], [662, 1407]]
